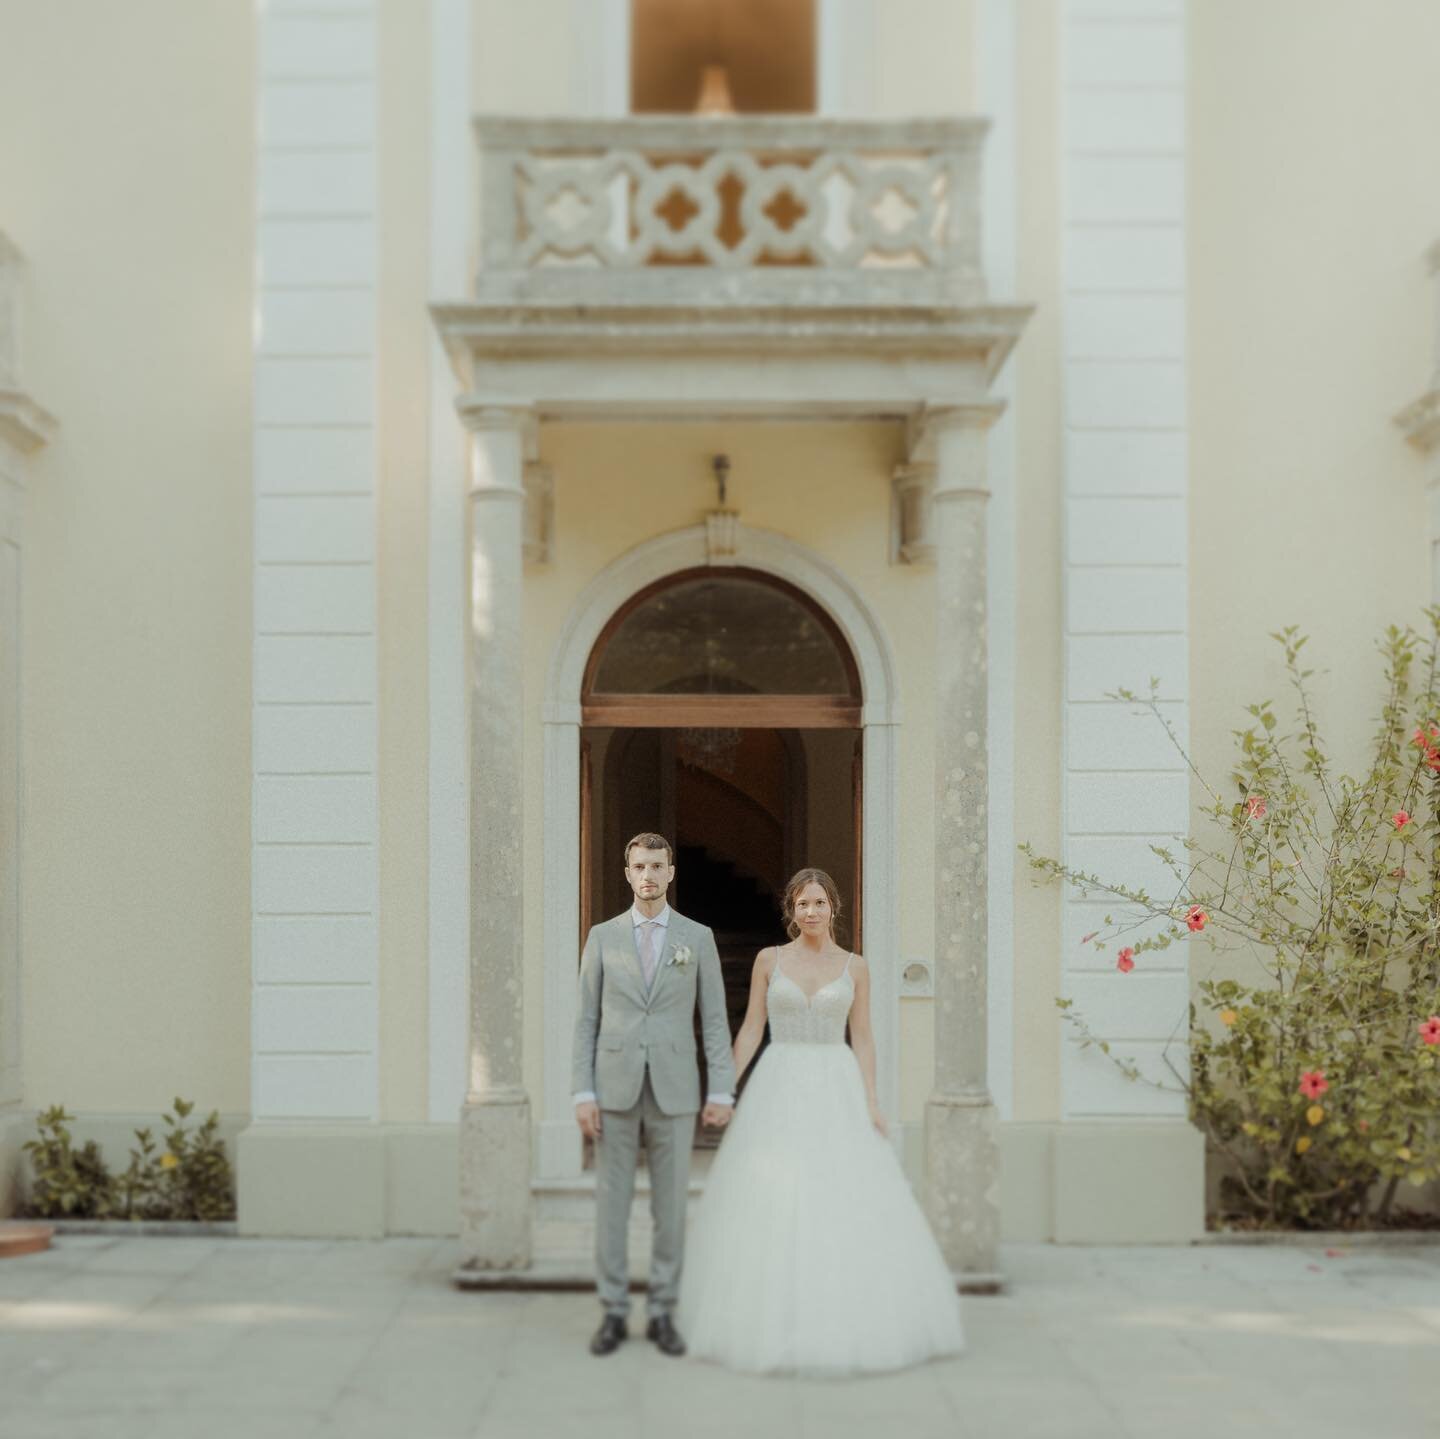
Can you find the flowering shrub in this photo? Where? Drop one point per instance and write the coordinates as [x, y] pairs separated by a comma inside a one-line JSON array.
[[1319, 1086]]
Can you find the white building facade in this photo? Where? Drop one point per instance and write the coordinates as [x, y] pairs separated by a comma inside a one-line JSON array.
[[421, 430]]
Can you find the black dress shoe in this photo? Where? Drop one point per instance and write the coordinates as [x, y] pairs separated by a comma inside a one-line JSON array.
[[662, 1333], [611, 1334]]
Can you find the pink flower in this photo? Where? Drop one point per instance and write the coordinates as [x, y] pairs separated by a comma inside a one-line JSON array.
[[1196, 918], [1418, 738], [1125, 961], [1255, 803], [1313, 1083], [1430, 1030], [1401, 818]]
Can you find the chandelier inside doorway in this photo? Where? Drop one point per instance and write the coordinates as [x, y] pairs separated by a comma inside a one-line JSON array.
[[711, 748]]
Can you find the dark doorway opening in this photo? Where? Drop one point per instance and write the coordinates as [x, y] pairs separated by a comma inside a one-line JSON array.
[[744, 808], [722, 709]]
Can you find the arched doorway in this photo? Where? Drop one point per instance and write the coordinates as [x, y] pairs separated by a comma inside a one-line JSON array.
[[650, 568], [722, 707]]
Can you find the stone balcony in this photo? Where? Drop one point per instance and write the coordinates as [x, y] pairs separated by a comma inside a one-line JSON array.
[[754, 242], [787, 211]]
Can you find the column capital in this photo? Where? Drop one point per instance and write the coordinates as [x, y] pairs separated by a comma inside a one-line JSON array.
[[937, 417], [912, 512], [480, 415], [503, 439]]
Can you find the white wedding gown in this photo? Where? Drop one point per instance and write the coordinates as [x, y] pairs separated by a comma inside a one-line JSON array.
[[809, 1253]]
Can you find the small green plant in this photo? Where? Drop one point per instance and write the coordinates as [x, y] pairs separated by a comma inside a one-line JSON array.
[[188, 1178], [67, 1183], [195, 1181], [1318, 1085]]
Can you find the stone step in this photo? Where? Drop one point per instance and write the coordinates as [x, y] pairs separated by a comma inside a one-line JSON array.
[[563, 1237]]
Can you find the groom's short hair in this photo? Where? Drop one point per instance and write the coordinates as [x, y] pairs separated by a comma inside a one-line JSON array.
[[647, 840]]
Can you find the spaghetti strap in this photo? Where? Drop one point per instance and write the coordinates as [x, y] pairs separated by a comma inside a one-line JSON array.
[[846, 970]]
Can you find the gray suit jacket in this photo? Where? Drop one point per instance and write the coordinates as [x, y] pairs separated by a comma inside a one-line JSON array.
[[622, 1030]]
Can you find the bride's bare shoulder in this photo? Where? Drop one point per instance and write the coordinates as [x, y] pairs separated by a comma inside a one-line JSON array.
[[765, 960], [858, 965]]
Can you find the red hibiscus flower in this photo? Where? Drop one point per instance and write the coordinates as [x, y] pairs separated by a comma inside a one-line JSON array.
[[1418, 738], [1125, 962], [1400, 818], [1255, 803], [1313, 1083], [1430, 1030], [1195, 918]]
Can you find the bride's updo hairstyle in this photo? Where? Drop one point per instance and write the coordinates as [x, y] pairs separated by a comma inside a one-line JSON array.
[[792, 893]]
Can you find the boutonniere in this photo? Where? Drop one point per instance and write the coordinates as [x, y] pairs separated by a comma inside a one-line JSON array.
[[682, 956]]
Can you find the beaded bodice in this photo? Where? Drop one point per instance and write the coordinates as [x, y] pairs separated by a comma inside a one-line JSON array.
[[819, 1019]]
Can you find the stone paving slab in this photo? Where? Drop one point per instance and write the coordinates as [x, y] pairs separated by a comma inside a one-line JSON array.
[[309, 1339]]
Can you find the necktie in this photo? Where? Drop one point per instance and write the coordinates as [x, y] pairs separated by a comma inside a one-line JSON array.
[[647, 950]]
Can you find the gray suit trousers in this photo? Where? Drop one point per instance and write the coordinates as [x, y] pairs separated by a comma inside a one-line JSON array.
[[667, 1139]]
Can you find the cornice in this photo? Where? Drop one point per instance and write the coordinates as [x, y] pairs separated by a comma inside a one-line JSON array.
[[493, 332]]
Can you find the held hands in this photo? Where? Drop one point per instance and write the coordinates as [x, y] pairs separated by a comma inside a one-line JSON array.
[[587, 1116], [877, 1118], [716, 1116]]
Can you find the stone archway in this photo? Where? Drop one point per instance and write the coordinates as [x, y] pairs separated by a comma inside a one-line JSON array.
[[559, 1153]]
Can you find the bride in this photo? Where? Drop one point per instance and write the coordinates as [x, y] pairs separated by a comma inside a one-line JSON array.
[[809, 1253]]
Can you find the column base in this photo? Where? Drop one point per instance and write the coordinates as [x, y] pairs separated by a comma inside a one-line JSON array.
[[495, 1164], [962, 1181]]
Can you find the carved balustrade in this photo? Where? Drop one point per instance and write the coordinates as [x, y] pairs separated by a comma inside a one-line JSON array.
[[743, 210]]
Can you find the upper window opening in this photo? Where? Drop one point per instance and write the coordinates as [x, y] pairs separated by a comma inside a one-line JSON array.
[[762, 52]]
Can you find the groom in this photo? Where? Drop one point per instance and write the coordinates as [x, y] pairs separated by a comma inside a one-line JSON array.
[[635, 1070]]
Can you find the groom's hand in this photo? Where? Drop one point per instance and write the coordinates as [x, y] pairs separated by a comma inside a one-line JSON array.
[[716, 1116], [587, 1116]]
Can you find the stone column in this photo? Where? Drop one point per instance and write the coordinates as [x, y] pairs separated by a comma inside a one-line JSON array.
[[961, 1159], [495, 1122]]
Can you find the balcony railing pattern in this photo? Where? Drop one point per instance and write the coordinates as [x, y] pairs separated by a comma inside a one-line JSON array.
[[753, 194]]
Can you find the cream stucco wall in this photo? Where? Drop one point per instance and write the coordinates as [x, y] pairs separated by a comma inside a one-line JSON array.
[[402, 552], [524, 58], [1312, 198], [126, 159], [1038, 530], [922, 57]]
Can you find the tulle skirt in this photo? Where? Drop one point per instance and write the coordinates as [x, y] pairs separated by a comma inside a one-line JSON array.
[[809, 1253]]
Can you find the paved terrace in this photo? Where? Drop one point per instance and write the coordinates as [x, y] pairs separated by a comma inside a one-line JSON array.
[[209, 1339]]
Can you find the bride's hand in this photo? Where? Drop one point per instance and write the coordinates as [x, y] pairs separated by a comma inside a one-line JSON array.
[[877, 1118]]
